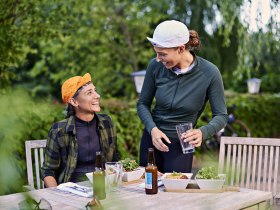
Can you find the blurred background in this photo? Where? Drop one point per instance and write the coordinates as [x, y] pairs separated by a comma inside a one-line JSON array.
[[44, 42]]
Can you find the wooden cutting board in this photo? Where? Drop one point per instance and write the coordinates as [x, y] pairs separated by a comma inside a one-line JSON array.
[[193, 188], [132, 182]]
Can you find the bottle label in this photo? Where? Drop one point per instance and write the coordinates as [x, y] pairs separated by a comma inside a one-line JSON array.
[[148, 180]]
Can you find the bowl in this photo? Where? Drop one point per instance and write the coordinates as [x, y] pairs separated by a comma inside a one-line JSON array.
[[211, 184], [176, 184], [133, 175]]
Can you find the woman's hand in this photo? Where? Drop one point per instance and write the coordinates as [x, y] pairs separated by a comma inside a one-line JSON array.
[[157, 136], [193, 136]]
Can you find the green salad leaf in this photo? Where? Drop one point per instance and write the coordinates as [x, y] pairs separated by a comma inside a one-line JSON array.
[[129, 164], [174, 173], [207, 173]]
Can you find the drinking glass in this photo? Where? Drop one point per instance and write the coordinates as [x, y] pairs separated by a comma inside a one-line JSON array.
[[186, 146], [114, 173]]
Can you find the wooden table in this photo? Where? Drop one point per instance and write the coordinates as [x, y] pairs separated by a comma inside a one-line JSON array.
[[133, 197]]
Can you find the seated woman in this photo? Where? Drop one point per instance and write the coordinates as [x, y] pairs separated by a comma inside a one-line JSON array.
[[73, 142]]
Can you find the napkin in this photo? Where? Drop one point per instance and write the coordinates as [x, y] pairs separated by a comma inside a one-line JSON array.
[[76, 189]]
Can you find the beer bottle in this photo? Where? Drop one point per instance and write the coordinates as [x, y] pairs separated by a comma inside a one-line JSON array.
[[99, 178], [151, 176]]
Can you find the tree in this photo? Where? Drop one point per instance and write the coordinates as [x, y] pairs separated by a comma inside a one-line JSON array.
[[22, 23], [252, 45], [44, 42], [105, 38]]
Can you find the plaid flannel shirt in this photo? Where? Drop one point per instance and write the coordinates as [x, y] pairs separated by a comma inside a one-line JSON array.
[[61, 151]]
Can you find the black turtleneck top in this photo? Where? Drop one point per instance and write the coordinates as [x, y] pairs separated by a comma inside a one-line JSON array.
[[88, 145]]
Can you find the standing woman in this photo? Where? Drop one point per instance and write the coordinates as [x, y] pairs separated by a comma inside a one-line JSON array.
[[73, 142], [181, 83]]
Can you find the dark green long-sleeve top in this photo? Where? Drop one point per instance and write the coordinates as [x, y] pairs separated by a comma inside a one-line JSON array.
[[182, 98]]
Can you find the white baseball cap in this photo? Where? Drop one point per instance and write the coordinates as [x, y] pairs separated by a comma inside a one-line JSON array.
[[170, 33]]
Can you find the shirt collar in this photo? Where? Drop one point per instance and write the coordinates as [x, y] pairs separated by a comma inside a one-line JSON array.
[[70, 127]]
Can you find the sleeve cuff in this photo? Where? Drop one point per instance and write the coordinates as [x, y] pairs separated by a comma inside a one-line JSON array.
[[150, 126], [204, 132]]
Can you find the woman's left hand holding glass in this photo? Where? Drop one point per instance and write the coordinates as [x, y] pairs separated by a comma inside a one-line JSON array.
[[193, 136]]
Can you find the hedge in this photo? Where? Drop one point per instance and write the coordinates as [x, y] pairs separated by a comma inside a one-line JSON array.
[[259, 112], [22, 118]]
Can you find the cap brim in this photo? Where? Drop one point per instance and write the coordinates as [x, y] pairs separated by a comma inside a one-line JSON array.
[[154, 43], [85, 79]]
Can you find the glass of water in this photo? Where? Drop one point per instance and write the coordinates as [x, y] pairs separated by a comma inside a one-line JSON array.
[[114, 173], [186, 146]]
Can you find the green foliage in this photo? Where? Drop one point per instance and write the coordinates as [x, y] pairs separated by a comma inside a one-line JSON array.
[[257, 51], [103, 37], [44, 42], [128, 125], [258, 112], [20, 119], [129, 164], [209, 172], [23, 23]]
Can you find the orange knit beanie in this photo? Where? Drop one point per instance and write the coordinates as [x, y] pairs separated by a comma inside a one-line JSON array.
[[71, 85]]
